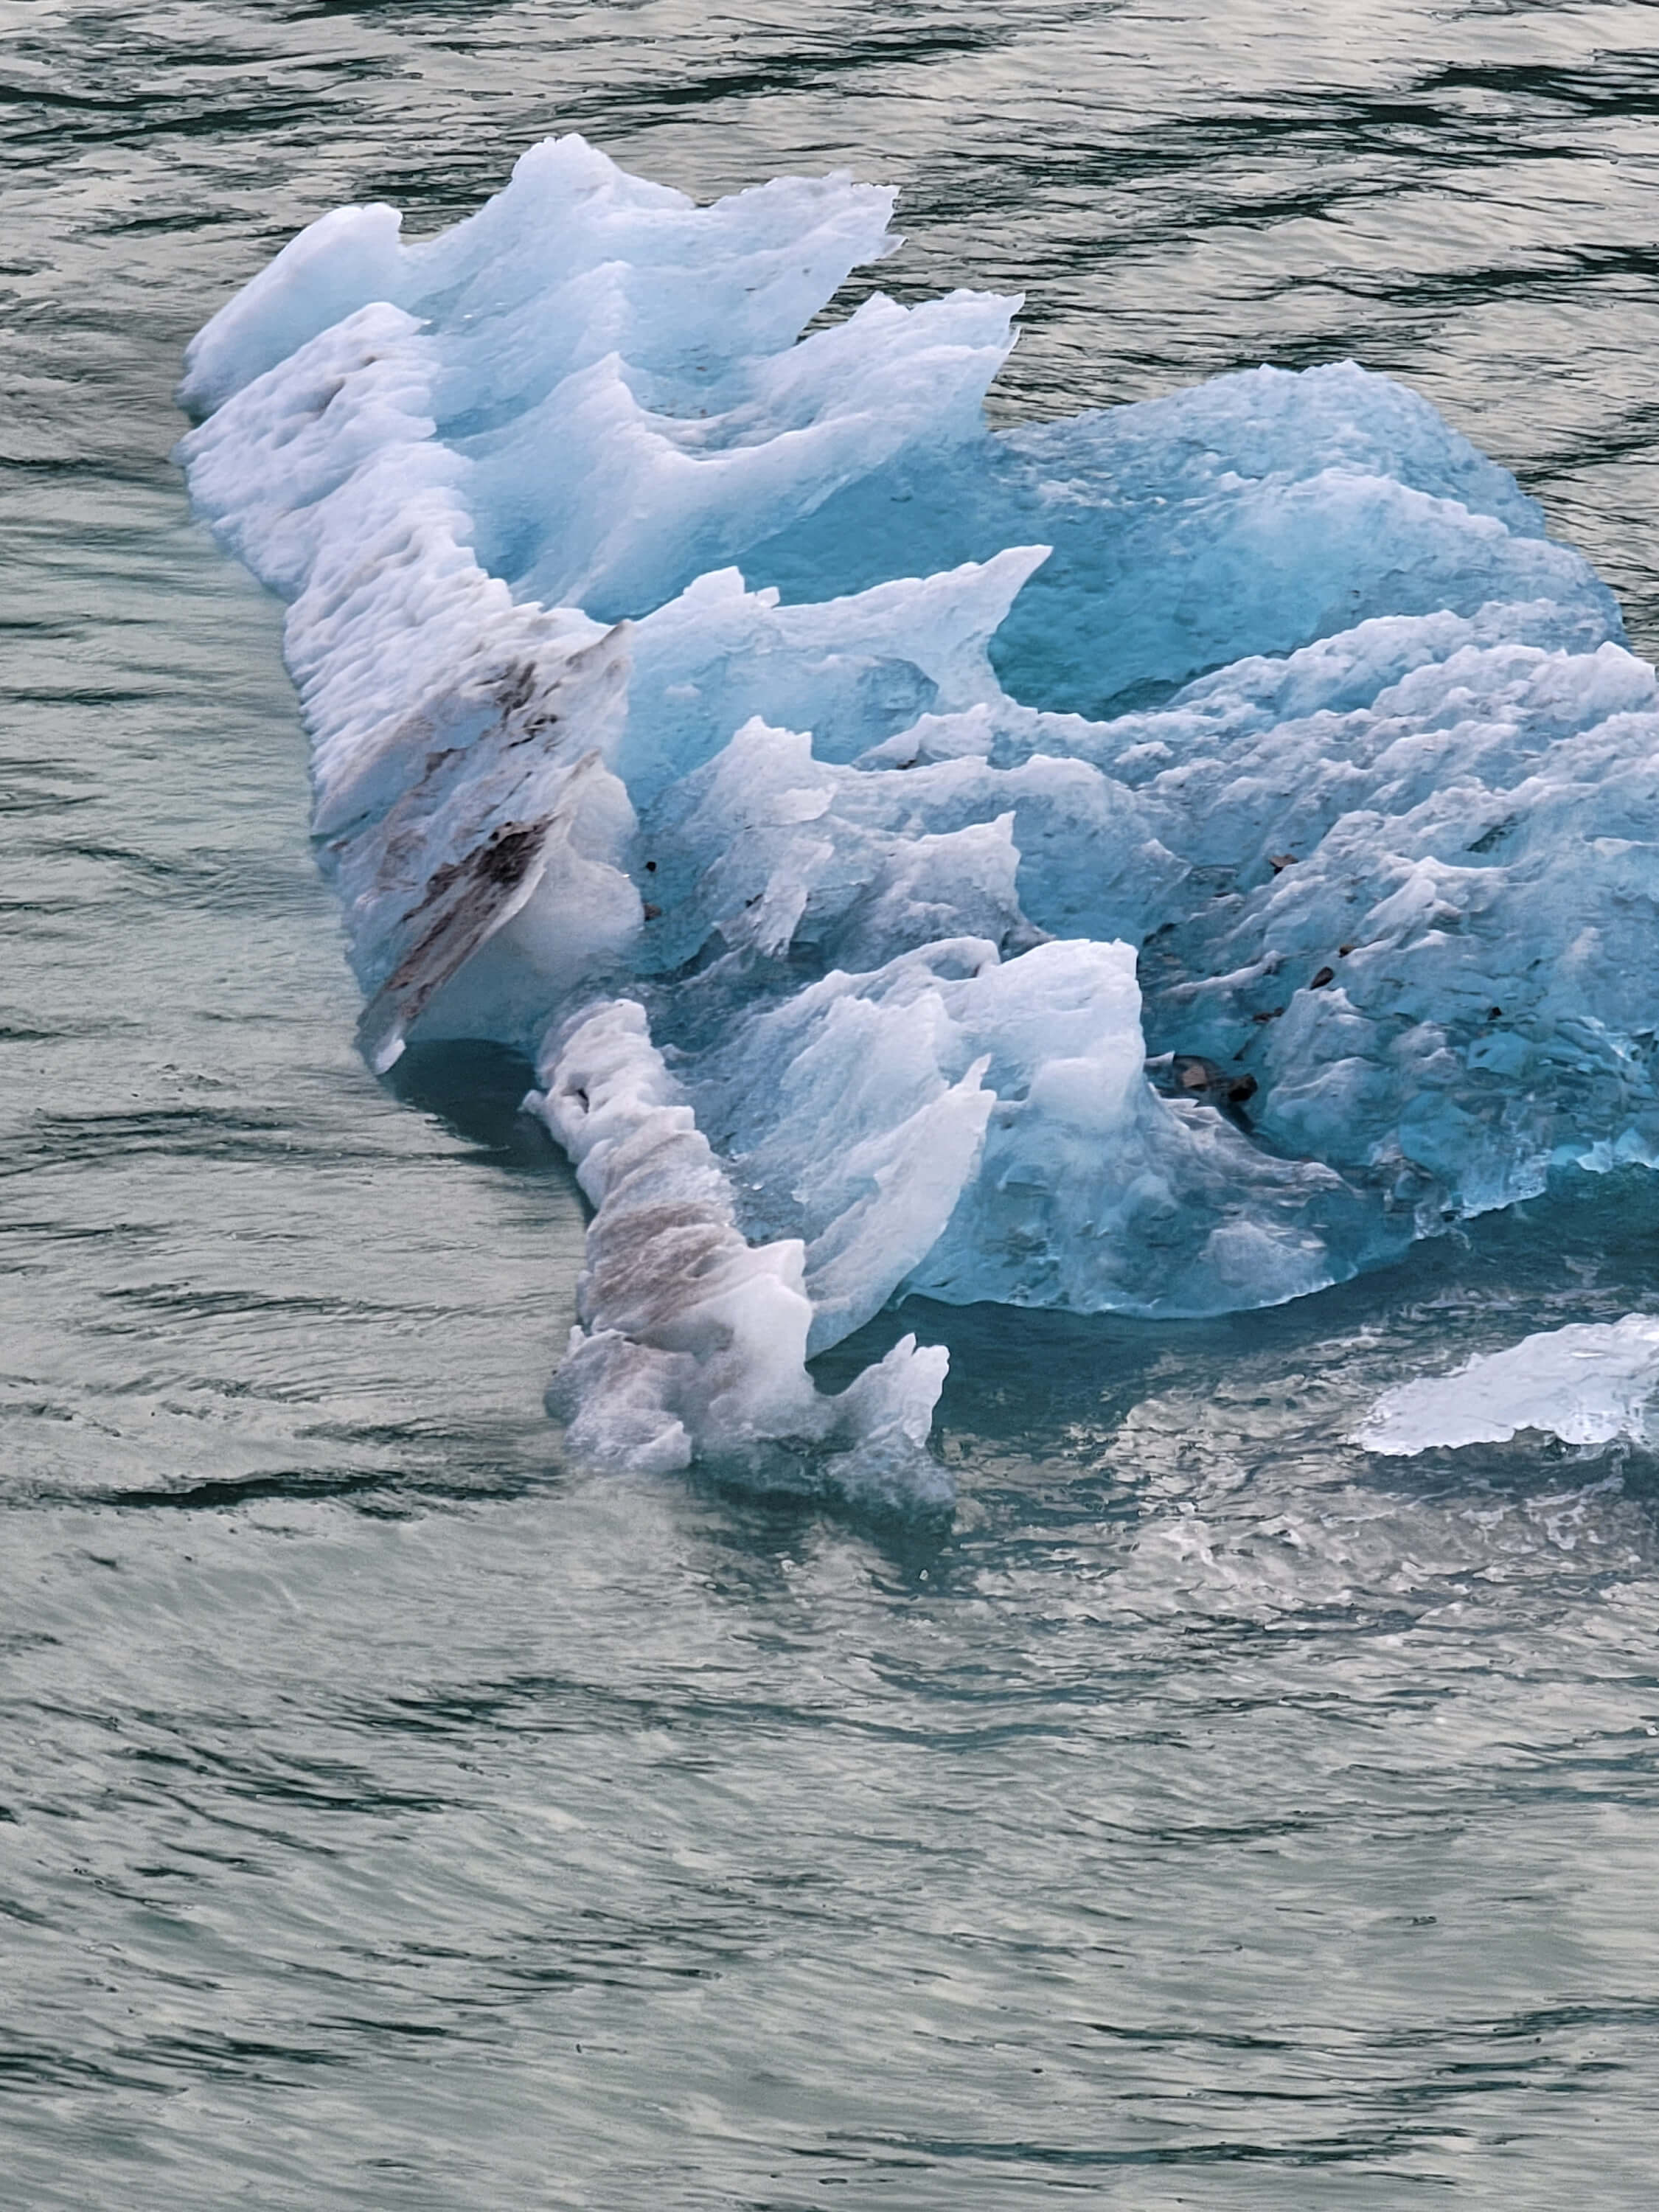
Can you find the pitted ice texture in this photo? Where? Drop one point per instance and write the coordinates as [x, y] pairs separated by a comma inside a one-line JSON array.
[[868, 822]]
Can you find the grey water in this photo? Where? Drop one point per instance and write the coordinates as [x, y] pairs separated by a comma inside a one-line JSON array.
[[392, 1815]]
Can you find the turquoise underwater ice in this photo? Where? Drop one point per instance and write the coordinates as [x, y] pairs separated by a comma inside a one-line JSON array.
[[1162, 861]]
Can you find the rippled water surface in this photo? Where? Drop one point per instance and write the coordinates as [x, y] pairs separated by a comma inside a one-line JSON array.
[[390, 1815]]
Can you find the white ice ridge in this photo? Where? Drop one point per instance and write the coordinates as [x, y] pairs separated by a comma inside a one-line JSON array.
[[690, 1337], [1591, 1383], [1160, 862]]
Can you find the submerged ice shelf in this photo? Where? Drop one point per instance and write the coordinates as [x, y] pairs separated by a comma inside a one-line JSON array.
[[1161, 861]]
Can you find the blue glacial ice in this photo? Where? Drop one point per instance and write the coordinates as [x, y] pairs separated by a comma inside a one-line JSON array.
[[1161, 861]]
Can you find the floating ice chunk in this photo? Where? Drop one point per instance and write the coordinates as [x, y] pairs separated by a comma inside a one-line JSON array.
[[1591, 1383], [861, 905]]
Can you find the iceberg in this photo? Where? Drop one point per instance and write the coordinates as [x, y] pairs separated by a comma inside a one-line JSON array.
[[1591, 1383], [1163, 861]]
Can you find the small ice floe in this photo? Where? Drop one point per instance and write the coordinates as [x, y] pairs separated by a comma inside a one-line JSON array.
[[1592, 1383]]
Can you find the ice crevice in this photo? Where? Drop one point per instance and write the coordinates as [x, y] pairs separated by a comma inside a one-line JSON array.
[[1162, 861]]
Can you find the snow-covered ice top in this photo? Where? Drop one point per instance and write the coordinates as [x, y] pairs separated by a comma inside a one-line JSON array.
[[1161, 861], [1591, 1383]]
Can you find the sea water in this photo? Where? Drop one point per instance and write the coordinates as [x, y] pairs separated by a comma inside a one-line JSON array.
[[1209, 1809]]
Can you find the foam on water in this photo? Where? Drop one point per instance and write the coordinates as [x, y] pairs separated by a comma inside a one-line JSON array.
[[1163, 861]]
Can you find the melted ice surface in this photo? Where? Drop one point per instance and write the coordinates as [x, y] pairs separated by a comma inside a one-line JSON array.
[[1162, 861], [1589, 1384]]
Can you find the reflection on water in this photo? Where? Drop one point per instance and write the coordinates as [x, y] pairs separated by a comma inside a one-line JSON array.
[[1209, 1813]]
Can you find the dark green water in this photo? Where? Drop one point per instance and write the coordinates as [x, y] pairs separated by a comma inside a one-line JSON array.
[[392, 1816]]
